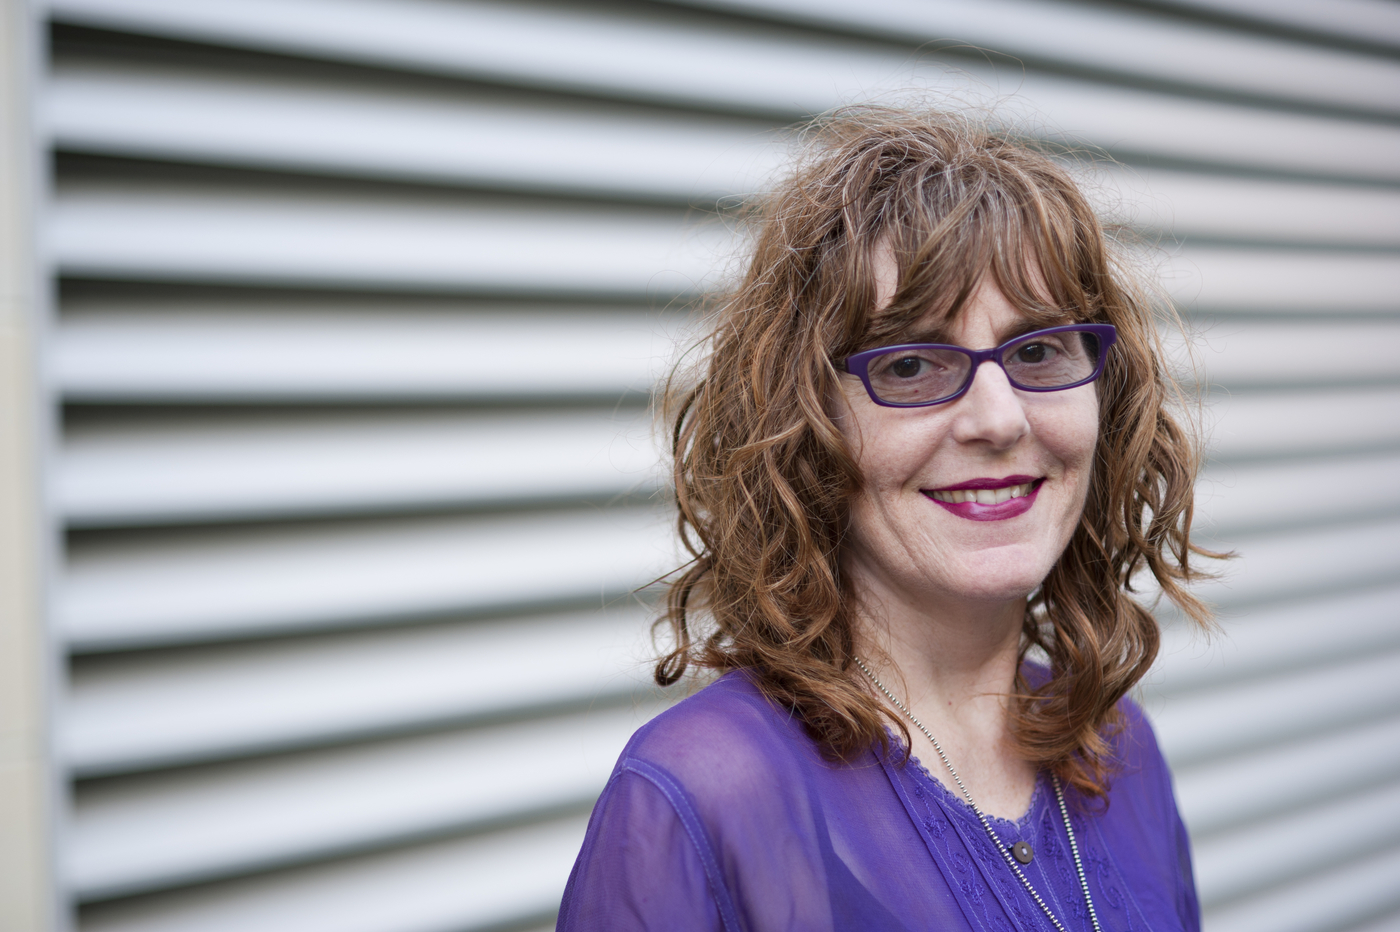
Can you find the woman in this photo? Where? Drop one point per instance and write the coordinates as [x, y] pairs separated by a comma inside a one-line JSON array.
[[888, 527]]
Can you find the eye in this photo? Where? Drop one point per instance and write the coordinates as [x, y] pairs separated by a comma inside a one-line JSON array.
[[906, 367], [1034, 353]]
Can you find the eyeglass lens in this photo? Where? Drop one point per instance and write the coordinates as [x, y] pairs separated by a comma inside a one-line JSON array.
[[1041, 361]]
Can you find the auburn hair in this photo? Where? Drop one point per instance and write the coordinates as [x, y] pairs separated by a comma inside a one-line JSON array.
[[764, 478]]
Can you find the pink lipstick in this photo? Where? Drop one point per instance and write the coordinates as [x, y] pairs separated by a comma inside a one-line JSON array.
[[988, 499]]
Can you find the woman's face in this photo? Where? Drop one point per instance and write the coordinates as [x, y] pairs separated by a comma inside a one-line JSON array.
[[912, 536]]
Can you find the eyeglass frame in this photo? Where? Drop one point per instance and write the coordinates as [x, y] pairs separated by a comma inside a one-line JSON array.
[[858, 364]]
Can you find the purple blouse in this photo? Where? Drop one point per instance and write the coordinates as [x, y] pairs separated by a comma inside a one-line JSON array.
[[722, 814]]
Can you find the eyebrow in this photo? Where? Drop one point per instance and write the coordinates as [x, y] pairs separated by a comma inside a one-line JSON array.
[[940, 336]]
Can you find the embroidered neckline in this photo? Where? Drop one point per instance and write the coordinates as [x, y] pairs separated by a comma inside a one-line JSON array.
[[1020, 825]]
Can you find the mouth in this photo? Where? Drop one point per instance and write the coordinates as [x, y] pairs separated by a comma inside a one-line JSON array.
[[988, 499]]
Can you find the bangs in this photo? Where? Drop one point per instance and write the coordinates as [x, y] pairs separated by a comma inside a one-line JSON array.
[[954, 227]]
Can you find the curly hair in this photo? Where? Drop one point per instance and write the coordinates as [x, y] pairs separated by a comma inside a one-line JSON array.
[[764, 478]]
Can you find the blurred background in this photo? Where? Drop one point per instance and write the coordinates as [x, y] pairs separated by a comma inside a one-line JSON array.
[[329, 333]]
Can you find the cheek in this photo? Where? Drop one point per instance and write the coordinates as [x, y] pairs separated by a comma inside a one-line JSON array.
[[841, 408], [1071, 431], [901, 454], [887, 444], [1084, 434]]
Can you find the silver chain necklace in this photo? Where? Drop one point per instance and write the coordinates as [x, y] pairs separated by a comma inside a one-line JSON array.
[[996, 842]]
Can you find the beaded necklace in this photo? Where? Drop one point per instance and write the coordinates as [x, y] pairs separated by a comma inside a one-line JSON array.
[[1012, 855]]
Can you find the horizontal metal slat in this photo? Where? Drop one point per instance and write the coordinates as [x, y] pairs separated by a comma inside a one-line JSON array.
[[247, 120], [747, 69], [179, 587], [1371, 21], [205, 350], [414, 243], [632, 55], [1243, 352], [1280, 281], [271, 350], [175, 470], [1127, 41], [183, 469], [1355, 891], [1258, 424], [1130, 122], [1278, 636], [1197, 204], [1274, 566], [340, 128], [510, 876], [178, 470], [1237, 498], [1290, 846], [1232, 717], [1266, 783], [134, 834], [141, 710], [1386, 919], [216, 235]]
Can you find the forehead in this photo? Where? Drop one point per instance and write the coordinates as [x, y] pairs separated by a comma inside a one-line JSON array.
[[987, 319]]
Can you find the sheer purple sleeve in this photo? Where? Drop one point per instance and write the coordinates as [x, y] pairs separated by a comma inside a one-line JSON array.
[[1188, 905], [645, 863], [1143, 794], [722, 814]]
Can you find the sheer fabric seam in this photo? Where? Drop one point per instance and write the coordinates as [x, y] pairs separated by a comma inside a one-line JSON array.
[[670, 789]]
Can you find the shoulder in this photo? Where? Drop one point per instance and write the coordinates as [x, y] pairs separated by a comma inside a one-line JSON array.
[[718, 807], [743, 775], [1137, 766], [1134, 742], [725, 775], [730, 701], [726, 740], [1141, 781], [1143, 825]]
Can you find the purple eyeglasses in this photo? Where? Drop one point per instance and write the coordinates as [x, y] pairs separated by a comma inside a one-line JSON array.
[[912, 375]]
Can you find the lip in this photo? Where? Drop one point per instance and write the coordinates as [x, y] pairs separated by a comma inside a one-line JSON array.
[[973, 511], [988, 483]]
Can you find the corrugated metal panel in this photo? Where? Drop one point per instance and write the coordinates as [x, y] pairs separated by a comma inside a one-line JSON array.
[[1370, 24], [1123, 42], [713, 63], [361, 305]]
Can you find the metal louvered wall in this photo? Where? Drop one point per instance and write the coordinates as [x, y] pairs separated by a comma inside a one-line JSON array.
[[359, 305]]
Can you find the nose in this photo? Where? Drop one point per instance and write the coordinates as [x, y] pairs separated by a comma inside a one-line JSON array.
[[991, 412]]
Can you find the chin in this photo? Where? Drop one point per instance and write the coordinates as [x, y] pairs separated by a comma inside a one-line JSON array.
[[999, 592], [1000, 579]]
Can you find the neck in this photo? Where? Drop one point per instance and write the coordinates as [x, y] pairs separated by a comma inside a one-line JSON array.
[[934, 646], [953, 663]]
